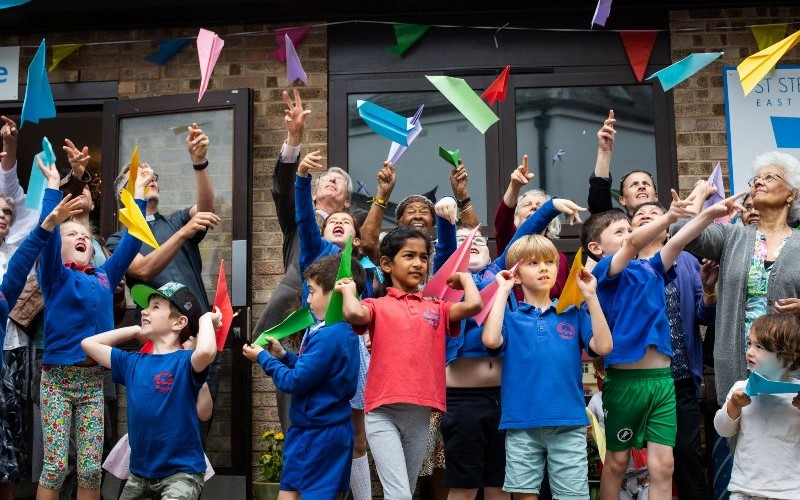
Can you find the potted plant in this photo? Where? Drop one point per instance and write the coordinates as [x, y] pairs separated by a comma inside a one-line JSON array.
[[270, 464]]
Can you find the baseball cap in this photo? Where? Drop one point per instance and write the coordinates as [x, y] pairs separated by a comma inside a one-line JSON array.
[[178, 294]]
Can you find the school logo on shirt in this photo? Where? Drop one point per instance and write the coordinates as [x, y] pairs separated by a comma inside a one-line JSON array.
[[163, 381], [624, 435], [432, 316], [3, 297], [103, 280], [565, 330], [647, 266]]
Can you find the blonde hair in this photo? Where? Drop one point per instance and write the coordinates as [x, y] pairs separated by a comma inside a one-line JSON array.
[[532, 247]]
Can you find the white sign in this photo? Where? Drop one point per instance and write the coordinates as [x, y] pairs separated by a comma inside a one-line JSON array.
[[9, 73]]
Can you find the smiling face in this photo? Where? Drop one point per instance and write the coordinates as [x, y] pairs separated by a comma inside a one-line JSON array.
[[647, 214], [762, 361], [76, 243], [159, 318], [770, 190], [6, 218], [479, 256], [529, 203], [409, 267], [417, 214], [750, 215], [612, 238], [338, 228], [637, 188], [318, 299]]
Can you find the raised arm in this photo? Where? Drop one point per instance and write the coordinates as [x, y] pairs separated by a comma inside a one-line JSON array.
[[504, 217], [599, 199], [197, 145], [600, 343], [285, 169], [446, 241], [492, 335], [353, 311], [311, 242], [205, 349], [459, 182], [9, 134], [98, 347], [371, 228], [77, 178]]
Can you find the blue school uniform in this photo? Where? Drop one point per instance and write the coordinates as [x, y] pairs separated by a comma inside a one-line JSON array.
[[321, 379], [542, 383], [163, 429], [635, 308]]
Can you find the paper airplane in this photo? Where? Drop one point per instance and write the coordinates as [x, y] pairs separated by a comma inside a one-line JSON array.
[[294, 70], [134, 171], [222, 301], [209, 45], [683, 69], [386, 123], [488, 294], [497, 89], [131, 217], [296, 35], [557, 157], [716, 179], [756, 67], [38, 103], [601, 13], [457, 263], [398, 150], [450, 157], [598, 434], [297, 321], [37, 182], [571, 294], [466, 101], [756, 384], [334, 312]]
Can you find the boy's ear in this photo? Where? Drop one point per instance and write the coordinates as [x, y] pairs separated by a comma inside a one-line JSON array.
[[516, 279], [180, 323], [385, 264], [596, 249]]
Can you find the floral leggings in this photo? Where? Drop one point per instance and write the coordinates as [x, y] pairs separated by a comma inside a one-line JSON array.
[[72, 393]]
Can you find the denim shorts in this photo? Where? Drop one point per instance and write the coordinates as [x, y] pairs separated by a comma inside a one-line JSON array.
[[565, 450]]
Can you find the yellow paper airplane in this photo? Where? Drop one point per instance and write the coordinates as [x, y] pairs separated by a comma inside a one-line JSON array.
[[134, 171], [598, 434], [132, 218], [756, 67], [571, 295]]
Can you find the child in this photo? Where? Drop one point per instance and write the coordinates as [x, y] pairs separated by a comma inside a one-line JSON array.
[[535, 427], [637, 480], [639, 393], [765, 462], [406, 377], [322, 379], [167, 459], [78, 303]]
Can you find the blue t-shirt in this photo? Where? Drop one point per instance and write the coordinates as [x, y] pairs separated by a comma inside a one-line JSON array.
[[162, 394], [635, 308], [542, 382]]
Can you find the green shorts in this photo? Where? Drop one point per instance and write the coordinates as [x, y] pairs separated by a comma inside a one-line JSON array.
[[639, 407]]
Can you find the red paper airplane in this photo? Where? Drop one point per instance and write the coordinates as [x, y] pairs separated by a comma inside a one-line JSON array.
[[497, 90], [147, 348], [222, 301]]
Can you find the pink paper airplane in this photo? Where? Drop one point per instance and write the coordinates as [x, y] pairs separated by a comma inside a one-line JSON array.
[[209, 45], [488, 294], [457, 263]]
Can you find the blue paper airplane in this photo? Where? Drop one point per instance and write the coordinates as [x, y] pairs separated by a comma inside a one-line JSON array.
[[756, 384], [384, 122], [683, 69], [38, 101]]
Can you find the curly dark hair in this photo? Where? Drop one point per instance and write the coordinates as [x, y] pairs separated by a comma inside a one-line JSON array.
[[780, 333]]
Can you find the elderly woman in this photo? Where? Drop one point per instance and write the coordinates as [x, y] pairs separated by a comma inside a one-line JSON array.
[[758, 263], [514, 209]]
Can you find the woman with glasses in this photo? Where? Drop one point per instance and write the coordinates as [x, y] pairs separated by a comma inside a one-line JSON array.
[[758, 263], [514, 209]]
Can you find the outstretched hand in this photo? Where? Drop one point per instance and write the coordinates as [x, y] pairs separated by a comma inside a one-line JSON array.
[[459, 181], [197, 144], [729, 206], [587, 283], [521, 176], [66, 208], [387, 178], [78, 158], [295, 116], [202, 221], [50, 173], [569, 208], [447, 209], [605, 136], [680, 208], [311, 163]]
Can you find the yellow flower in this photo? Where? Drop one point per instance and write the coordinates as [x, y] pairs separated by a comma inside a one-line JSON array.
[[279, 436]]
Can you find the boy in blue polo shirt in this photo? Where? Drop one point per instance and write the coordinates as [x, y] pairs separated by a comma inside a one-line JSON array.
[[638, 391], [543, 409], [167, 458], [322, 379]]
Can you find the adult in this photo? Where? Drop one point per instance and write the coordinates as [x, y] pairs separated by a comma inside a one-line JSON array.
[[758, 263], [635, 187], [690, 302], [514, 209], [179, 236], [750, 214]]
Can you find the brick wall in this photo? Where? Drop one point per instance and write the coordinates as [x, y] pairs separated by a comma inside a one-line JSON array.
[[700, 126], [242, 63]]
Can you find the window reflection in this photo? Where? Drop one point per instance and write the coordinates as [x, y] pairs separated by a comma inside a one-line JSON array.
[[420, 170], [568, 118]]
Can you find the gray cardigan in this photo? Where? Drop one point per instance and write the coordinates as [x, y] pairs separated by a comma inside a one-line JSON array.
[[732, 246]]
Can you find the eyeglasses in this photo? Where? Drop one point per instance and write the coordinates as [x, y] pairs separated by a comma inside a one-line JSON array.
[[155, 178], [768, 179], [7, 212], [480, 241]]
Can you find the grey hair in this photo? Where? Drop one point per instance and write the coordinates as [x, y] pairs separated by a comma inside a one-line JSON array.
[[791, 167], [554, 228], [348, 180], [12, 204]]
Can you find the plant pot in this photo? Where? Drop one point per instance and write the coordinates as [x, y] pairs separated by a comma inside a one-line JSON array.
[[265, 491]]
